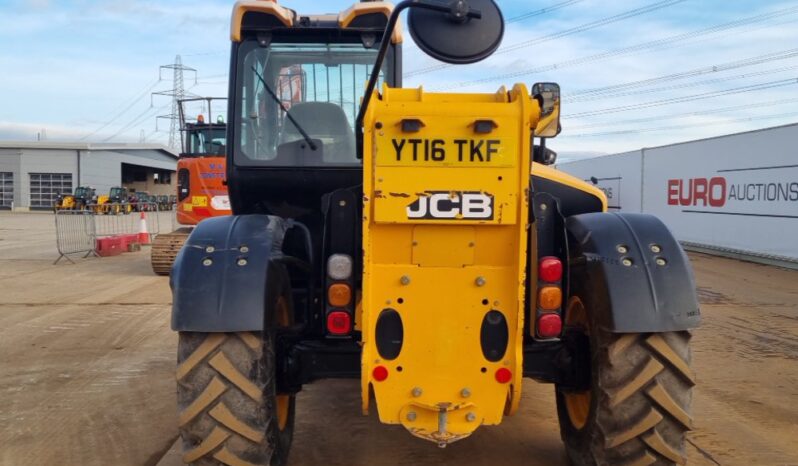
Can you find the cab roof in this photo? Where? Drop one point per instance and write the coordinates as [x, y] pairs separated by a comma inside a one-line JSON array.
[[268, 14]]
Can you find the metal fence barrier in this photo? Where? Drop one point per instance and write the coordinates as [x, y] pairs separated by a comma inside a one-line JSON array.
[[77, 231], [75, 234], [128, 222]]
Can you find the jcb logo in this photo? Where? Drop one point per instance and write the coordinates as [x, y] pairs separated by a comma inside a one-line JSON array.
[[449, 205]]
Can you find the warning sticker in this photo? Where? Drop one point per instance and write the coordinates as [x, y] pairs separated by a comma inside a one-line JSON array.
[[199, 201]]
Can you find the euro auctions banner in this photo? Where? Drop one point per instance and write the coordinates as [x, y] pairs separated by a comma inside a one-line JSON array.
[[738, 192], [745, 193]]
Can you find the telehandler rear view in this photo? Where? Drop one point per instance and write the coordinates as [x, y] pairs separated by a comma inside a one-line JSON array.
[[418, 242]]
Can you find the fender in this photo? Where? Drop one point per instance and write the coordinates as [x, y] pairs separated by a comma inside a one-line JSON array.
[[219, 277], [646, 295]]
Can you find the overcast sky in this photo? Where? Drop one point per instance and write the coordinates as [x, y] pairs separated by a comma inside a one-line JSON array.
[[85, 69]]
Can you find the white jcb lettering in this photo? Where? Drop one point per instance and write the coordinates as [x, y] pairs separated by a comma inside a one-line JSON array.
[[442, 205], [477, 206], [447, 205], [417, 209]]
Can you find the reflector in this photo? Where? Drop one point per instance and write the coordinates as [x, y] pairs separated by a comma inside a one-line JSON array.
[[549, 326], [550, 269], [339, 295], [339, 323], [379, 373], [503, 375], [550, 298]]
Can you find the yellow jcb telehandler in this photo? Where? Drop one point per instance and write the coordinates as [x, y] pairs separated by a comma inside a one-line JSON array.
[[83, 197], [418, 242]]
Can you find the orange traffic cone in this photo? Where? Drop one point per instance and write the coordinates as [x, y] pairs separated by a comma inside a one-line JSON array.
[[144, 235]]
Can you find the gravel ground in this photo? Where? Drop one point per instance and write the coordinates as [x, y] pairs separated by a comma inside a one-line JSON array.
[[86, 374]]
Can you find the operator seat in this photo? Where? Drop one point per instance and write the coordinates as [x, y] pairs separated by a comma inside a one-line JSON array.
[[327, 122]]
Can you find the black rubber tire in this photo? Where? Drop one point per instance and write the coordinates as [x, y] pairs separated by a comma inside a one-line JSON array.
[[640, 397], [227, 400]]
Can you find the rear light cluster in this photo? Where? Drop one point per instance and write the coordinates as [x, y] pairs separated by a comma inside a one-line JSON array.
[[548, 321], [339, 295], [339, 323]]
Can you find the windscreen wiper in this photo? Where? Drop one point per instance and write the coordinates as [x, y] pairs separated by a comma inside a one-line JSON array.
[[282, 106]]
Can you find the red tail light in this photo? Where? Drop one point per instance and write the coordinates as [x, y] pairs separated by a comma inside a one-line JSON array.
[[503, 375], [549, 326], [550, 269], [339, 323], [379, 373]]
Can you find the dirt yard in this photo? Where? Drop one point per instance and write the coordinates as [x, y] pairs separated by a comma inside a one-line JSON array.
[[86, 373]]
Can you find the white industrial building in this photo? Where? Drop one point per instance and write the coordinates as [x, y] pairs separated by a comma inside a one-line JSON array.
[[736, 194], [32, 174]]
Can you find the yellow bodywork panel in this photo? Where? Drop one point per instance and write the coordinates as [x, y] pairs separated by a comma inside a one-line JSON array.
[[284, 15], [563, 178], [457, 251], [346, 17], [445, 224], [68, 202]]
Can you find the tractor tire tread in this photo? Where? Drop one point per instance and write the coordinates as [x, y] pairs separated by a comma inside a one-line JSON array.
[[642, 409], [638, 416], [222, 411]]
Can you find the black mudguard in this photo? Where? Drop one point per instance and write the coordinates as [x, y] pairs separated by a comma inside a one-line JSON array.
[[219, 277], [641, 297]]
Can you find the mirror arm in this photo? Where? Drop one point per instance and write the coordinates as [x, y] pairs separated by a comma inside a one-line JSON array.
[[435, 5]]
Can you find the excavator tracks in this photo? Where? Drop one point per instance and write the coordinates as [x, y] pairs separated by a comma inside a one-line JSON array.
[[165, 248]]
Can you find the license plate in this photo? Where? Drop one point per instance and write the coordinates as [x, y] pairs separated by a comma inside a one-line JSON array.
[[445, 152]]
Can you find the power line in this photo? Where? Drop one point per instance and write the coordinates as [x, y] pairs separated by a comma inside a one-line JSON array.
[[593, 25], [542, 11], [522, 17], [152, 133], [204, 54], [689, 98], [704, 82], [147, 113], [575, 30], [139, 118], [135, 100], [213, 76], [519, 18], [786, 54], [684, 126], [746, 107], [645, 46]]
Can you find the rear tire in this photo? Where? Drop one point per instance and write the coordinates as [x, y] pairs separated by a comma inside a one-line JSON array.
[[637, 411], [229, 409]]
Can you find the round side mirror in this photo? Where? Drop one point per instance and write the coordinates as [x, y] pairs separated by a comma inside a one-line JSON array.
[[455, 37]]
